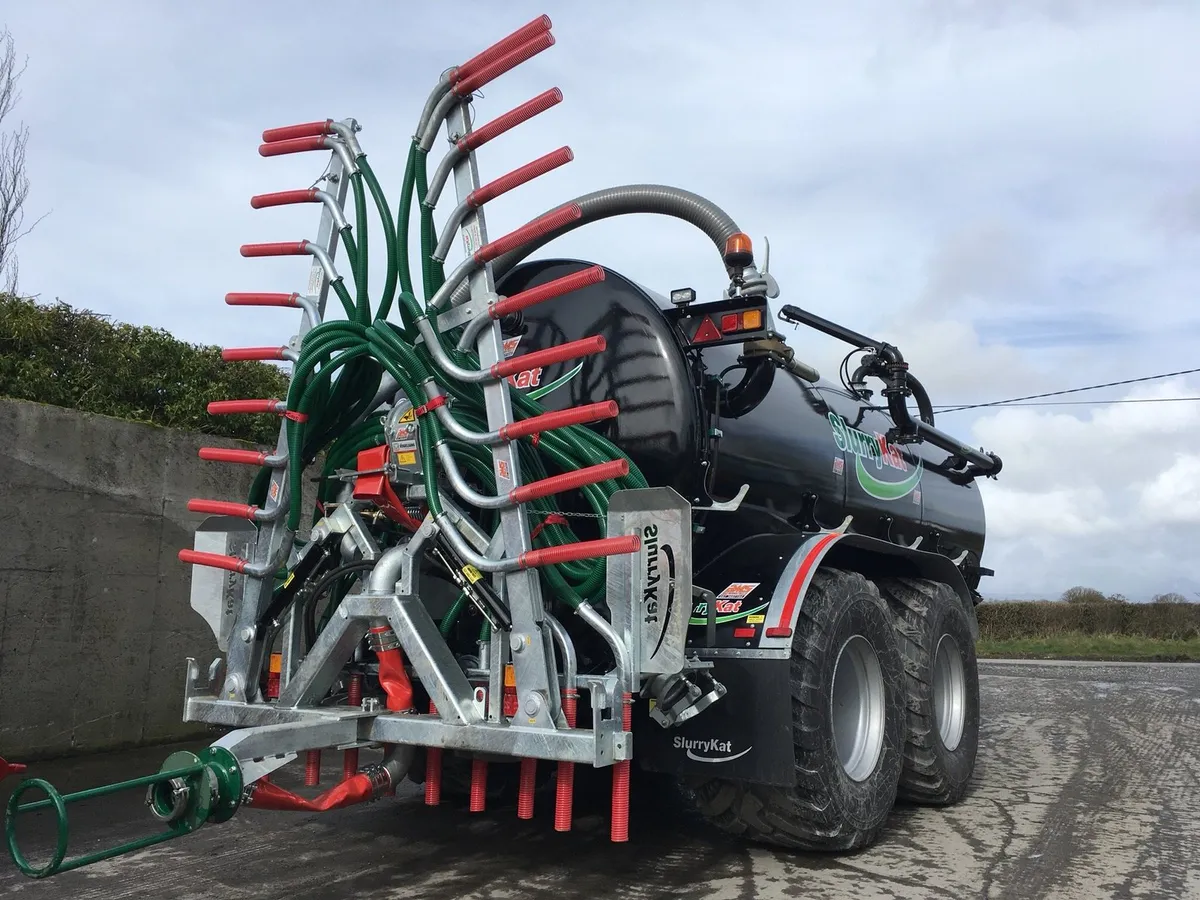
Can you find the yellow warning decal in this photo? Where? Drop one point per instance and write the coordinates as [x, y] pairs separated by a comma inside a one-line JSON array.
[[755, 620], [409, 416], [288, 580], [472, 573], [406, 458]]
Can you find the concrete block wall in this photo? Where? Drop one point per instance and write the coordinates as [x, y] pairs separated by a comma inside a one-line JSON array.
[[95, 621]]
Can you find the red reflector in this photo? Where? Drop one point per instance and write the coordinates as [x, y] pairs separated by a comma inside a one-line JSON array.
[[779, 631], [747, 632], [729, 322], [706, 332]]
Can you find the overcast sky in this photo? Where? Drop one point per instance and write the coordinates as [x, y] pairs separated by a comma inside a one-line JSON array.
[[1008, 189]]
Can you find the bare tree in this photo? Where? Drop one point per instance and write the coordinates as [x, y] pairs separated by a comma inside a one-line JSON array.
[[14, 184]]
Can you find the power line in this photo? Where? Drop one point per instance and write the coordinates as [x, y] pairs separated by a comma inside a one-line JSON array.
[[1084, 402], [1091, 387]]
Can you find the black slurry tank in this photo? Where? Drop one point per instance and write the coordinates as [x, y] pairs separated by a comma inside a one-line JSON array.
[[811, 453]]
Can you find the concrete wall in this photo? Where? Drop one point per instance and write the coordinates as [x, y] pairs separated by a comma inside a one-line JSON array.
[[95, 621]]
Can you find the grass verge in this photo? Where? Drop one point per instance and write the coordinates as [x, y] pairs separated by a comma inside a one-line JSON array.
[[1091, 646]]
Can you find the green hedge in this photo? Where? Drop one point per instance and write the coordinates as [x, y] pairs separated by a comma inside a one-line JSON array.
[[61, 356], [999, 621]]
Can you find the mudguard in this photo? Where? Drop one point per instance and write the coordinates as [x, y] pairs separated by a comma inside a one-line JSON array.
[[756, 589]]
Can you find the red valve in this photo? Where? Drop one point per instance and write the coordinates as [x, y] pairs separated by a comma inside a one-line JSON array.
[[227, 407], [501, 48], [548, 357], [253, 299], [295, 145], [550, 556], [547, 291], [290, 132], [222, 508], [568, 481], [242, 354], [510, 119], [518, 177], [283, 198], [214, 560], [510, 60], [560, 418], [530, 231], [277, 248], [230, 455]]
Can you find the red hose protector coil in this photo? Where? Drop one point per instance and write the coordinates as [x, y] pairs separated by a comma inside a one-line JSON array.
[[501, 47], [479, 771], [214, 560], [290, 132], [227, 407], [551, 355], [510, 60], [580, 550], [276, 248], [229, 455], [561, 418], [350, 763], [260, 299], [547, 291], [244, 354], [312, 768], [519, 176], [222, 508], [283, 198], [294, 145], [529, 232], [528, 780], [510, 119], [433, 769], [619, 832], [564, 793], [569, 481], [354, 690]]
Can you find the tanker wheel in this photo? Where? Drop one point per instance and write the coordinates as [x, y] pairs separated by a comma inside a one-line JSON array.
[[847, 729], [942, 684]]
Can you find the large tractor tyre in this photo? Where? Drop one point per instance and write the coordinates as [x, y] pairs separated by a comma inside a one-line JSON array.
[[942, 684], [847, 686]]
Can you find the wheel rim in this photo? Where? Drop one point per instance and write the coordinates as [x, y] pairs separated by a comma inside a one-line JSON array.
[[949, 692], [857, 707]]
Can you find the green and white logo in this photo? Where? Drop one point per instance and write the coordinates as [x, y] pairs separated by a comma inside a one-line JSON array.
[[873, 450]]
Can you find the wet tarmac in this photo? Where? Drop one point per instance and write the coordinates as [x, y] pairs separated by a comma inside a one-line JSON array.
[[1087, 786]]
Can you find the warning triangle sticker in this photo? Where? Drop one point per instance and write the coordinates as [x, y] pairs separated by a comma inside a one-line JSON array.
[[707, 331]]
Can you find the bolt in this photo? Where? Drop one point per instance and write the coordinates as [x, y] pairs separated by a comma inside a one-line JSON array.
[[517, 642], [533, 703], [248, 634], [370, 704]]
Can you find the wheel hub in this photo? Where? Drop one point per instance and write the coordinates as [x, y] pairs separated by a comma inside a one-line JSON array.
[[857, 707], [949, 692]]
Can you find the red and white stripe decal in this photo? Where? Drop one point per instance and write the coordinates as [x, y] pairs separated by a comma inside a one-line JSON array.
[[783, 628]]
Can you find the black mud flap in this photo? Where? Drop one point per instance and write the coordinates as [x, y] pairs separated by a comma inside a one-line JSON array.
[[746, 735]]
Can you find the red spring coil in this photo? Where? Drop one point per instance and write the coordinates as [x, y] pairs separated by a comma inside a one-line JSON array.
[[433, 770], [619, 832], [564, 793], [355, 690], [350, 763], [312, 768], [479, 773], [525, 790]]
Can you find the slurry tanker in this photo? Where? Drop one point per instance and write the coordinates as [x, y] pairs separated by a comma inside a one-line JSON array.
[[557, 519]]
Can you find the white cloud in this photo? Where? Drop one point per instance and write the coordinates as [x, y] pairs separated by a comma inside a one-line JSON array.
[[1006, 190]]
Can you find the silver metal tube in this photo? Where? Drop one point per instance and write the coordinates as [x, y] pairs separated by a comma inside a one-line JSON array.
[[567, 648], [457, 277], [467, 552], [435, 96], [434, 346], [387, 570], [346, 131], [464, 490], [440, 112], [323, 258], [343, 154], [310, 306], [452, 222], [331, 204], [625, 675], [471, 332], [451, 424], [440, 176]]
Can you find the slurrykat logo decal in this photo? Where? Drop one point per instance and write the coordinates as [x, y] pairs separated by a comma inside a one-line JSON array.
[[704, 750], [875, 449], [652, 601]]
